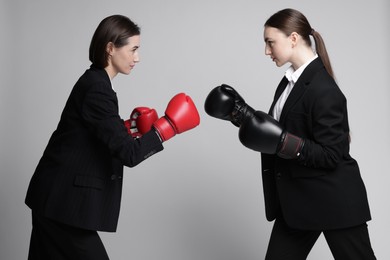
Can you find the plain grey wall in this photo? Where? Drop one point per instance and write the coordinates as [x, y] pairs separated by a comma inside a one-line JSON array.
[[201, 198]]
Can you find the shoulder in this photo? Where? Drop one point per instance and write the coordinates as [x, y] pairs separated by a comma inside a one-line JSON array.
[[95, 79], [320, 83], [95, 75], [325, 95]]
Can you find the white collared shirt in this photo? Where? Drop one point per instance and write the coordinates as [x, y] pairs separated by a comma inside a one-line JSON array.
[[292, 77], [112, 86]]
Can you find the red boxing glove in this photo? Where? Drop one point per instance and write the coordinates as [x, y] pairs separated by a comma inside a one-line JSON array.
[[181, 115], [141, 121]]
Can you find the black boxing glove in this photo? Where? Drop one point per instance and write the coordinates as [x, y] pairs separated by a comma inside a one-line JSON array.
[[263, 133], [224, 102]]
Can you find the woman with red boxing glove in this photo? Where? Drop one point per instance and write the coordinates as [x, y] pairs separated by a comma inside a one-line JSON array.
[[76, 188]]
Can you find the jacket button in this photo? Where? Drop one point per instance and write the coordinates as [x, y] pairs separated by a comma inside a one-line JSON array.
[[279, 175], [113, 177]]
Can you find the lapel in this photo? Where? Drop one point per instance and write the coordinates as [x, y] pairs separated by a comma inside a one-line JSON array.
[[300, 86], [282, 85]]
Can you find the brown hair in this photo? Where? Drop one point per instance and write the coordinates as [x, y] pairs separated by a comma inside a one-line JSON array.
[[116, 29], [289, 21]]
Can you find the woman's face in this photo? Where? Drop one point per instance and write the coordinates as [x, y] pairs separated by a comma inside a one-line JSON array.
[[123, 59], [277, 45]]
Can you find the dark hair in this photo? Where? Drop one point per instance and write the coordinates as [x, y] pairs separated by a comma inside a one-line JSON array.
[[289, 21], [116, 29]]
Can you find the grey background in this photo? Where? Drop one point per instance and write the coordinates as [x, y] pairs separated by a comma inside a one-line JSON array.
[[201, 198]]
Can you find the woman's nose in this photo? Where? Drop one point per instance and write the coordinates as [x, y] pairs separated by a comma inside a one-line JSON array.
[[136, 57], [267, 51]]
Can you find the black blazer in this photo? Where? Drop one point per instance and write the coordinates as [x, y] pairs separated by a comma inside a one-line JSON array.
[[78, 180], [323, 189]]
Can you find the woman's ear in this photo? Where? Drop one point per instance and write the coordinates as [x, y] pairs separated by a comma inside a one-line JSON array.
[[110, 48], [294, 36]]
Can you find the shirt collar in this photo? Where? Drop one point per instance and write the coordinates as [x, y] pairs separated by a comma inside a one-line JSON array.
[[112, 86], [293, 75]]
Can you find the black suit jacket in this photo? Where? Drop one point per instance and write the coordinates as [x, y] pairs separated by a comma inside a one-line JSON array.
[[78, 180], [323, 189]]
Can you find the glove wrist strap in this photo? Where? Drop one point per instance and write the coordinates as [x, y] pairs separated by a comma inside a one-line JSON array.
[[290, 146]]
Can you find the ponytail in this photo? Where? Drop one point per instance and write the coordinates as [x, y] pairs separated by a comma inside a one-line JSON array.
[[321, 51]]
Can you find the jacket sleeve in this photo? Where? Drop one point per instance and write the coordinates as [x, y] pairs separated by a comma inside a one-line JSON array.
[[328, 141], [100, 113]]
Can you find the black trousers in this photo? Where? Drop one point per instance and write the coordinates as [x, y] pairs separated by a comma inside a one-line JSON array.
[[345, 244], [51, 240]]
